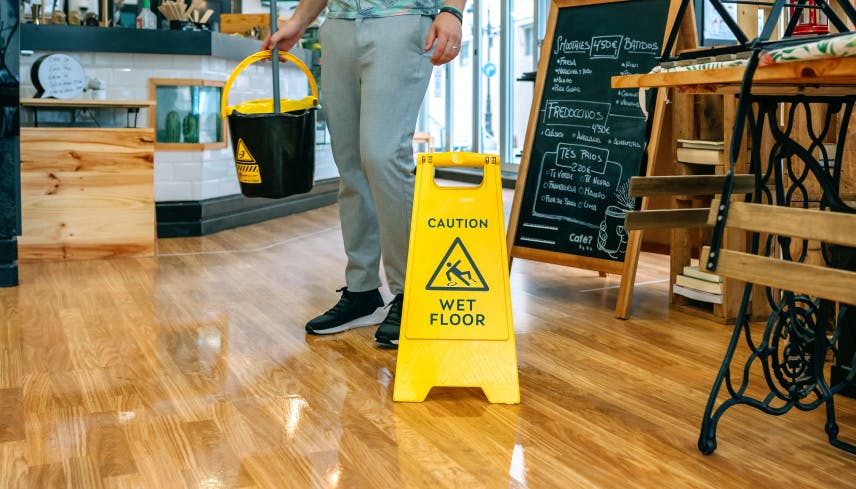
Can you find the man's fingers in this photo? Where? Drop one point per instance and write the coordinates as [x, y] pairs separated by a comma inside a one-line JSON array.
[[445, 51], [432, 36]]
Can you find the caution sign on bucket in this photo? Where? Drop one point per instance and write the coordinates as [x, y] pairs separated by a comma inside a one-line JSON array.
[[245, 164], [456, 327]]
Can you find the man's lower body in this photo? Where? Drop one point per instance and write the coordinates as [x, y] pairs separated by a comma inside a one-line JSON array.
[[373, 80]]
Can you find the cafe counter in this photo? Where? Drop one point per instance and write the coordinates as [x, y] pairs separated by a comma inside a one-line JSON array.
[[194, 188]]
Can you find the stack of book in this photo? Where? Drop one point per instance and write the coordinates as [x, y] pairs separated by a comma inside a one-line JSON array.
[[701, 152], [830, 154], [699, 285]]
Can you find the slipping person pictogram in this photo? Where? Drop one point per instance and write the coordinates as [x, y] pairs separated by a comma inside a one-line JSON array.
[[454, 270], [458, 276]]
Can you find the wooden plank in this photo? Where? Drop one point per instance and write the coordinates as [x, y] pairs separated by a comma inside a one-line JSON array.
[[595, 264], [86, 193], [835, 71], [680, 251], [56, 103], [733, 239], [828, 227], [241, 23], [12, 421], [667, 218], [812, 280], [688, 185], [657, 240]]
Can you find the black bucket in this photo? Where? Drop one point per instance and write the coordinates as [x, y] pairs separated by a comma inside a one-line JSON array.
[[274, 152]]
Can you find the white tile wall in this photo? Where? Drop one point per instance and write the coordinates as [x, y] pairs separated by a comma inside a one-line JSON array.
[[185, 175], [172, 191]]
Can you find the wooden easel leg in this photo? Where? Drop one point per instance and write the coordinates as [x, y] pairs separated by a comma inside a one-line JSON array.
[[628, 276]]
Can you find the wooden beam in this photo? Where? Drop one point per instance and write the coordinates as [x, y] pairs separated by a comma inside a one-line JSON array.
[[667, 218], [812, 280], [688, 185], [827, 227]]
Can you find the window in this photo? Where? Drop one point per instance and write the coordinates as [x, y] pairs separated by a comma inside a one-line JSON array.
[[468, 103], [527, 39], [464, 57], [187, 114], [438, 83]]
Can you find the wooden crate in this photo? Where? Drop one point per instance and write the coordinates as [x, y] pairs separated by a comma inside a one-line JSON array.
[[86, 193]]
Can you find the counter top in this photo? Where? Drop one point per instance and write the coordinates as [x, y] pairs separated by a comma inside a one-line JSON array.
[[816, 72], [120, 40]]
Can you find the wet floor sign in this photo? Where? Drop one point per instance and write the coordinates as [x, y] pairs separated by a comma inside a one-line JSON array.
[[456, 328]]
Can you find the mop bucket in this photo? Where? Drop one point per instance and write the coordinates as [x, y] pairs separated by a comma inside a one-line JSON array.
[[274, 152]]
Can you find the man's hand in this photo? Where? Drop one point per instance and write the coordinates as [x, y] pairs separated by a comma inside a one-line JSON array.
[[292, 29], [286, 36], [445, 36]]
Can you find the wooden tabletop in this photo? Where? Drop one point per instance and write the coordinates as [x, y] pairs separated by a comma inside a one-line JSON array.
[[96, 104], [837, 73]]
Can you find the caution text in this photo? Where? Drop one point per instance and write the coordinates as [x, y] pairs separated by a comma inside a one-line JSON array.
[[456, 222]]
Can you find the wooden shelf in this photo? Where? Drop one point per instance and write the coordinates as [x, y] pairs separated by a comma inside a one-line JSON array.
[[826, 72], [55, 103]]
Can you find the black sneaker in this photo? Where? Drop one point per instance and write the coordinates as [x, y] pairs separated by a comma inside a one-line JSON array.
[[387, 333], [353, 310]]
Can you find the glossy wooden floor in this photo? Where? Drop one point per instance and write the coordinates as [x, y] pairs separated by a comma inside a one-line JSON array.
[[192, 370]]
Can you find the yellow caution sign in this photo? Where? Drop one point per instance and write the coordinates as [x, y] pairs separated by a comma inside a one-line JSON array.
[[245, 164], [456, 327]]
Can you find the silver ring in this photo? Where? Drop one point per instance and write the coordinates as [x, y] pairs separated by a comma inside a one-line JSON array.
[[454, 47]]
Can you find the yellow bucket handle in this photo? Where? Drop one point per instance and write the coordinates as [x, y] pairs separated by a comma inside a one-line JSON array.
[[263, 55]]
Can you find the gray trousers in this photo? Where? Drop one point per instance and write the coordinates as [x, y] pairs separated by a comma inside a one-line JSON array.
[[374, 74]]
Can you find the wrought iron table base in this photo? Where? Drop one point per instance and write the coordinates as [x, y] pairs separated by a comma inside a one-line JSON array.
[[793, 347]]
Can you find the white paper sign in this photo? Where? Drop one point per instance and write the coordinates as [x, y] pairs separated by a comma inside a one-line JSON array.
[[714, 26], [58, 76]]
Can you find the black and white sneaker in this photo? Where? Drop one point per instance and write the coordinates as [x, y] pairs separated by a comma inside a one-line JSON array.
[[354, 309], [387, 333]]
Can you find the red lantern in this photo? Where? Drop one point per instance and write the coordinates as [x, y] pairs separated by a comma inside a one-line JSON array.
[[811, 21]]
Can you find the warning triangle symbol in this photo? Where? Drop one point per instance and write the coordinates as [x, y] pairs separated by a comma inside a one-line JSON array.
[[457, 271], [242, 155]]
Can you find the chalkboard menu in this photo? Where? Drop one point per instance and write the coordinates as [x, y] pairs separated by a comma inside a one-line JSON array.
[[588, 139]]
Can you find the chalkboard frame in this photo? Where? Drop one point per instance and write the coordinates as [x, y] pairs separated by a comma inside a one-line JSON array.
[[626, 268]]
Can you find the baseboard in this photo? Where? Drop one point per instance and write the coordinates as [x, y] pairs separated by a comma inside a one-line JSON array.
[[8, 261], [199, 218]]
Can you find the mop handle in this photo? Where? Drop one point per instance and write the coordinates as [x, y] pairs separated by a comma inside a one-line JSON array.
[[274, 57]]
